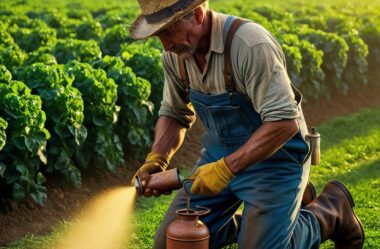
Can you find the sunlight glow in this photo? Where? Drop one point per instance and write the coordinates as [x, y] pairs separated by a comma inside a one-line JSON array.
[[104, 223]]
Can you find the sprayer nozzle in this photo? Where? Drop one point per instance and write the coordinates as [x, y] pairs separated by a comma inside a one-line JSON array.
[[138, 185]]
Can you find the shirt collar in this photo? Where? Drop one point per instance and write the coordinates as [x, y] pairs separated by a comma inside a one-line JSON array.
[[216, 40]]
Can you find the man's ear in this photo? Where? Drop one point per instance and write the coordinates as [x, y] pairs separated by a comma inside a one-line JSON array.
[[199, 15]]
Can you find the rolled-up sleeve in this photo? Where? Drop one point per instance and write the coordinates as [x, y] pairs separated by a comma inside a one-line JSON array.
[[173, 103], [267, 84]]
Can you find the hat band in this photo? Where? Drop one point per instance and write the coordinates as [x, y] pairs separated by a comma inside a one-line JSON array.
[[168, 11]]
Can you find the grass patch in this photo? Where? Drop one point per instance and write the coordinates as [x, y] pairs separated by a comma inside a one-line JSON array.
[[40, 242], [350, 151]]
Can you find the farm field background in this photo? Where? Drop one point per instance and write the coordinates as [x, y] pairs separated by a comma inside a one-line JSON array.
[[78, 95], [350, 152], [87, 95]]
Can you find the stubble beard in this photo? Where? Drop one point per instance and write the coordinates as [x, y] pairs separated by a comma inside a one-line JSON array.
[[186, 53]]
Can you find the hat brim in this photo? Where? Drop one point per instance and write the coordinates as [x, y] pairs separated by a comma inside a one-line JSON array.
[[141, 29]]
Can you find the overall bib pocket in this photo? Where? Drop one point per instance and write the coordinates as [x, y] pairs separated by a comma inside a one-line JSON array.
[[239, 129], [203, 114]]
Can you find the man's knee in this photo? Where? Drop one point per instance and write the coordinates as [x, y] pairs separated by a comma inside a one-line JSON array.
[[160, 239]]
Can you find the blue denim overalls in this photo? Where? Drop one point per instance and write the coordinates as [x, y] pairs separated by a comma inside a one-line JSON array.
[[270, 190]]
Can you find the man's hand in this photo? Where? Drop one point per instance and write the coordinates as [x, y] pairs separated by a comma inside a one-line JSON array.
[[211, 178], [154, 163]]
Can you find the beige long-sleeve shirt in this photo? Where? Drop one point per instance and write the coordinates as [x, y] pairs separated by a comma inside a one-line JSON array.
[[259, 72]]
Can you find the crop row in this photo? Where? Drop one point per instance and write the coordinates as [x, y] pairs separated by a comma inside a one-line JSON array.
[[325, 47], [76, 93]]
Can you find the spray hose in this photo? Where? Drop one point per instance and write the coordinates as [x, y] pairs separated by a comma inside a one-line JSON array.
[[200, 210]]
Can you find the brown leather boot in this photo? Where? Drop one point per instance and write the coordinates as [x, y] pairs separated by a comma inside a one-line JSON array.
[[309, 195], [337, 220]]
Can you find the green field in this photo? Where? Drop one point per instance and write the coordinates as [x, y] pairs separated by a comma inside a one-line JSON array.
[[77, 93], [86, 92], [350, 152]]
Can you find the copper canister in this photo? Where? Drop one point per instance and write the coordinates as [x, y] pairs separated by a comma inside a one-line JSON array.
[[187, 231]]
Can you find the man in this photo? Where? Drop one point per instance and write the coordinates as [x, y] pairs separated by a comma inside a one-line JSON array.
[[233, 74]]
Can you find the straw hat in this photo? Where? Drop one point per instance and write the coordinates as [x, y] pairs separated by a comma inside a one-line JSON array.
[[159, 14]]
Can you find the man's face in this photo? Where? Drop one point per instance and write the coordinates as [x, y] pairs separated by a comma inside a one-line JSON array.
[[182, 37]]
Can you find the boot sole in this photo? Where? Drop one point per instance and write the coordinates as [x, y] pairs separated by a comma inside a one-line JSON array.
[[348, 195]]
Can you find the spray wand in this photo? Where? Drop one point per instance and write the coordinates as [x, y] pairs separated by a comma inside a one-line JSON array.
[[163, 181]]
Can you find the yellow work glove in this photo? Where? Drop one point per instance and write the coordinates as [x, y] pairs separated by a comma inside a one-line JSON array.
[[211, 178], [154, 163]]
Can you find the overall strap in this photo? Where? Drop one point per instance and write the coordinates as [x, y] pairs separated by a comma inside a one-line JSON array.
[[230, 84], [184, 77]]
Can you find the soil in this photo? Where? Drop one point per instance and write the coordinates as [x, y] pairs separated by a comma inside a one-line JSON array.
[[63, 202]]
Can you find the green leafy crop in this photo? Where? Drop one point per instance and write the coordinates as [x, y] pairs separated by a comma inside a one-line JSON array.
[[370, 33], [26, 141], [113, 38], [98, 91], [30, 39], [3, 137], [43, 55], [64, 107], [5, 38], [41, 76], [52, 17], [101, 90], [135, 121], [89, 29], [334, 49], [110, 18], [12, 57], [294, 61], [356, 71], [145, 62], [304, 67], [136, 114], [5, 75], [67, 29], [99, 94], [71, 49]]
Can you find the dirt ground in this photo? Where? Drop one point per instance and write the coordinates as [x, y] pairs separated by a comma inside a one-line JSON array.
[[62, 203]]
